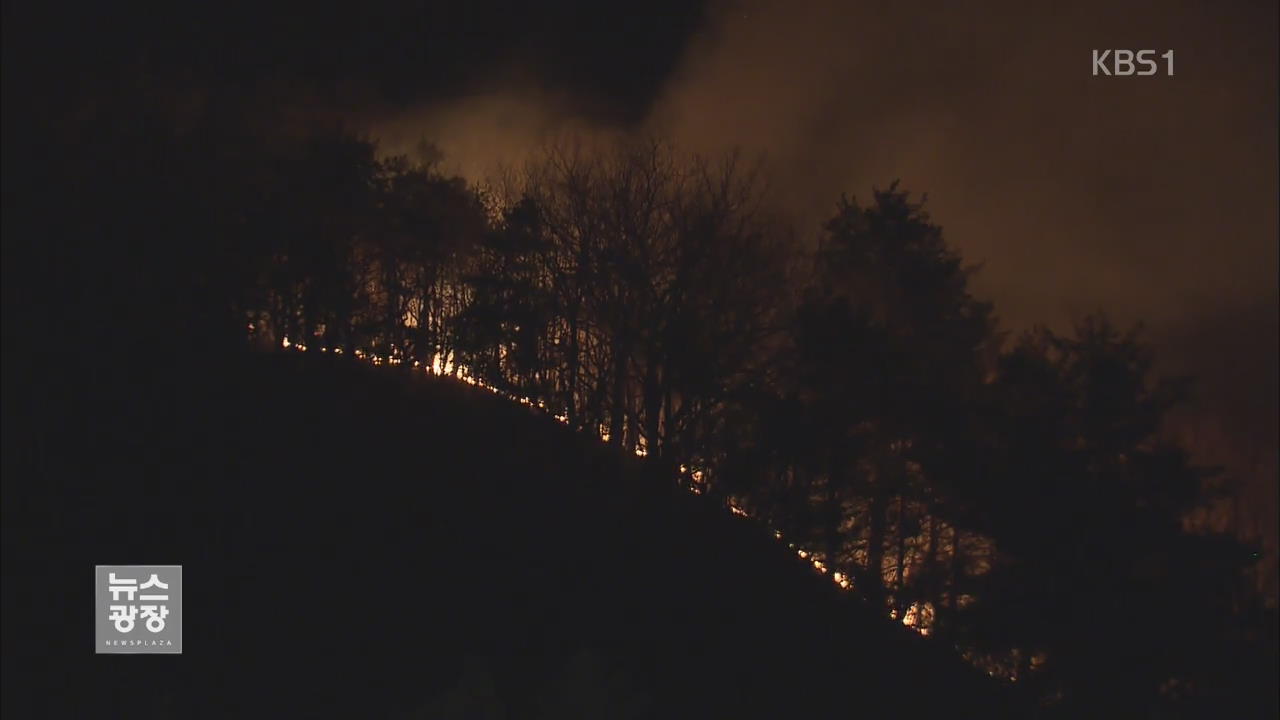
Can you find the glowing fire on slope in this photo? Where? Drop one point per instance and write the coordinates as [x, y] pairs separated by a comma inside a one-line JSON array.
[[918, 616]]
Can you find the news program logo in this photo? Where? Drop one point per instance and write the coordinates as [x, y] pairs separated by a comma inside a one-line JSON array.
[[138, 609]]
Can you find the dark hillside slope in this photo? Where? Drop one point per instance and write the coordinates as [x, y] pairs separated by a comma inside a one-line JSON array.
[[360, 543]]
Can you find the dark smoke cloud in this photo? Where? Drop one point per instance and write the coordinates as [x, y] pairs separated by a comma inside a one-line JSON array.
[[1154, 198], [485, 131]]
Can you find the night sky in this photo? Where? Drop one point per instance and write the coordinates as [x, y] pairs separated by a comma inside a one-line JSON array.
[[1154, 198]]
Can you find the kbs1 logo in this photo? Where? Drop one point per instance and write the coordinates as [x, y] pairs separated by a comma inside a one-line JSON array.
[[1123, 63], [138, 609]]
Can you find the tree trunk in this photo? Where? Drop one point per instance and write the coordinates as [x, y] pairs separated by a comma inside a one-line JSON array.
[[931, 560], [957, 572], [875, 548], [572, 382], [652, 409], [899, 572], [617, 410]]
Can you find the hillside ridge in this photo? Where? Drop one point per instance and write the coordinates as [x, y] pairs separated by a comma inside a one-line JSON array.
[[433, 550]]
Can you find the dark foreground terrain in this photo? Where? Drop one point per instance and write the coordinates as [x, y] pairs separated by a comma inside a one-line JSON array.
[[358, 543]]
